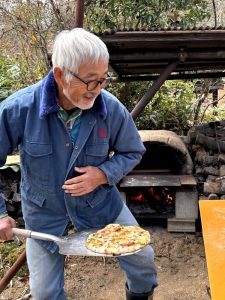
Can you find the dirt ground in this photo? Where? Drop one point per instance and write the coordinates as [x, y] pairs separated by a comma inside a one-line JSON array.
[[180, 259]]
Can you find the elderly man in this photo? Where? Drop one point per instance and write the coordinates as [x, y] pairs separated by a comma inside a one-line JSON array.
[[65, 126]]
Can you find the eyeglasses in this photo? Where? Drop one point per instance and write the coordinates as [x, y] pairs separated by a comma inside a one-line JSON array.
[[92, 84]]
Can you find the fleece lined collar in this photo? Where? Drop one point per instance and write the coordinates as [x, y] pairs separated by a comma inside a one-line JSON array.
[[48, 101]]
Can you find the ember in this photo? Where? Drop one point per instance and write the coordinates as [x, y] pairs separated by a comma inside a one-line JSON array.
[[152, 201], [140, 197]]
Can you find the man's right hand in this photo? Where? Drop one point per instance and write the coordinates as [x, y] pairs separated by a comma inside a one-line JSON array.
[[6, 225]]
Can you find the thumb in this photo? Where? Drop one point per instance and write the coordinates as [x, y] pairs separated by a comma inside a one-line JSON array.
[[80, 169]]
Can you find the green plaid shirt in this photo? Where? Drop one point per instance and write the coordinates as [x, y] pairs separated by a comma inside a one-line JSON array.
[[72, 122]]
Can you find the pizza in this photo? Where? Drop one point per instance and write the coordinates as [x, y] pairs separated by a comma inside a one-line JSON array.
[[116, 239]]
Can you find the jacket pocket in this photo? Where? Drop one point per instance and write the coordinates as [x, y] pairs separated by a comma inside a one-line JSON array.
[[30, 195], [39, 200], [99, 195], [36, 159], [37, 149], [96, 154], [33, 209]]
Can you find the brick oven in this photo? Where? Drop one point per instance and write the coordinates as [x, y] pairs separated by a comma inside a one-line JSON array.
[[162, 185]]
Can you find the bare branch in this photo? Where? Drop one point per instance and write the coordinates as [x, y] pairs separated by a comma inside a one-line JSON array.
[[211, 103], [214, 12], [57, 14]]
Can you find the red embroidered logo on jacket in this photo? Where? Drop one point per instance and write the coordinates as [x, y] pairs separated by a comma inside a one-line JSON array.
[[102, 134]]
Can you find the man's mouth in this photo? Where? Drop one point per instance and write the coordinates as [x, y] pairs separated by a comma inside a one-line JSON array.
[[90, 98]]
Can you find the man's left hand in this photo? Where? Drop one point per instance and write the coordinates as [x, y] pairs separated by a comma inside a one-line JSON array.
[[90, 178]]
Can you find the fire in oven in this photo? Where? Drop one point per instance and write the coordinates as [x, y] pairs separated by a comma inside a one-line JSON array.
[[152, 202]]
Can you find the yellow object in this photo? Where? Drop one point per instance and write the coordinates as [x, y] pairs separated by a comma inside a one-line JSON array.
[[213, 228], [33, 37], [12, 160]]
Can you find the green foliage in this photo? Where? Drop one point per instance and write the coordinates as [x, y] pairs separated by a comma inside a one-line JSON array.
[[16, 73], [213, 113], [104, 15], [31, 69], [128, 93], [171, 108], [9, 77], [9, 252]]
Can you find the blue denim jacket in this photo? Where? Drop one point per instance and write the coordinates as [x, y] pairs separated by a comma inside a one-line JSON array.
[[29, 121]]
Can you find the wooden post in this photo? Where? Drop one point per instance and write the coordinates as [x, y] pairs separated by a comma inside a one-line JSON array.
[[79, 20]]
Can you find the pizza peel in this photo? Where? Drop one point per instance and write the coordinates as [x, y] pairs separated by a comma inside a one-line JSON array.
[[213, 229], [73, 244]]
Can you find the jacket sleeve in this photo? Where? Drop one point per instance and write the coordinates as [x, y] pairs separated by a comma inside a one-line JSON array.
[[126, 144], [9, 136]]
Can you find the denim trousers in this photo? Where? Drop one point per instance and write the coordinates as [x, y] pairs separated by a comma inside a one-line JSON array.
[[47, 269]]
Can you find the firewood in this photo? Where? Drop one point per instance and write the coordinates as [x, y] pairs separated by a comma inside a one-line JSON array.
[[210, 143]]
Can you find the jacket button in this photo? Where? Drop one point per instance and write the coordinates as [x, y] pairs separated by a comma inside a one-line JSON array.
[[76, 147]]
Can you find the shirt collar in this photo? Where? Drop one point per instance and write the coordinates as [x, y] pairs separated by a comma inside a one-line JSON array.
[[66, 117]]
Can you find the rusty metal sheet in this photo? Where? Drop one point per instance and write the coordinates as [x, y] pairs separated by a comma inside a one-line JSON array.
[[150, 180]]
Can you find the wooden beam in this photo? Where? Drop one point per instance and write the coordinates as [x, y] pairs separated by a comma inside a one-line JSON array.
[[153, 89]]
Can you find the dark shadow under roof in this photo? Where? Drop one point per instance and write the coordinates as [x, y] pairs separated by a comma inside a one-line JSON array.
[[144, 54]]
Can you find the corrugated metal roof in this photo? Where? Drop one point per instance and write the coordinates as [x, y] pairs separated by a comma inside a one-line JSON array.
[[163, 29], [137, 53]]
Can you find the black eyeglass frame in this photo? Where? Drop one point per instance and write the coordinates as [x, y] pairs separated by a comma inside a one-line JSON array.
[[103, 83]]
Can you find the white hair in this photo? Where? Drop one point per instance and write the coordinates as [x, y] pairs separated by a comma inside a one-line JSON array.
[[74, 47]]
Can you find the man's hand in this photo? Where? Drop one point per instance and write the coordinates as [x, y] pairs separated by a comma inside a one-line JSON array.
[[91, 178], [6, 225]]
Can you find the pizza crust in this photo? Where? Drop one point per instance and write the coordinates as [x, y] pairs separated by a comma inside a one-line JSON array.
[[116, 239]]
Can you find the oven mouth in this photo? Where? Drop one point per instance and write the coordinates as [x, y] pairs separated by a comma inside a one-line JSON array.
[[159, 156], [151, 202], [165, 150]]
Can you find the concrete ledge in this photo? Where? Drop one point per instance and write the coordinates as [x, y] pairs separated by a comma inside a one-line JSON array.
[[181, 225]]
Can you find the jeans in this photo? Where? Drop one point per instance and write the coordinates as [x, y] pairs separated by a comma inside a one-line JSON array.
[[47, 269], [139, 267], [46, 272]]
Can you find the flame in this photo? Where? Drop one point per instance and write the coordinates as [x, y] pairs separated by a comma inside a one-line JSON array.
[[140, 197], [162, 195], [152, 193], [168, 198]]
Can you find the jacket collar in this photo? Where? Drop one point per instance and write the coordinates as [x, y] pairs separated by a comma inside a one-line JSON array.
[[48, 99], [48, 102]]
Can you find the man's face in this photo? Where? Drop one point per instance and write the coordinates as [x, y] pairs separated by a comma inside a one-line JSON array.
[[75, 93]]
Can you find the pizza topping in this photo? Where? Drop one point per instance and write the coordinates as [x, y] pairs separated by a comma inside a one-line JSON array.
[[118, 239]]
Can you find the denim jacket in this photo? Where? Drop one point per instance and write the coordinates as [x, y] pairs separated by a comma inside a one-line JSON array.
[[29, 121]]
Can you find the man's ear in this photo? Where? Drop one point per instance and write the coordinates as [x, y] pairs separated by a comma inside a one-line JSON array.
[[58, 75]]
